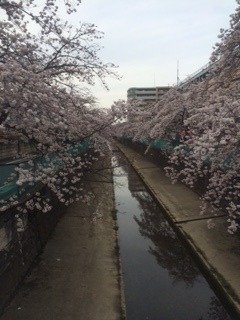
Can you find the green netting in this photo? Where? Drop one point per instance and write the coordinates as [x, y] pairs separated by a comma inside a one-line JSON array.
[[9, 175]]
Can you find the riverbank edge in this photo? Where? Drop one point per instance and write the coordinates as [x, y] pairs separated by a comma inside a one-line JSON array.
[[218, 281], [119, 261]]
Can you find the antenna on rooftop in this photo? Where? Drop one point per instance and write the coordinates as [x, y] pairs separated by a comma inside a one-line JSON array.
[[178, 80]]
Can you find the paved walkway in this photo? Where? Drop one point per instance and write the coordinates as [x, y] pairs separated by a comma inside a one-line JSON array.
[[216, 250], [77, 276]]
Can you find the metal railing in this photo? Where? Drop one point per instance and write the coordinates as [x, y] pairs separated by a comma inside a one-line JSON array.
[[197, 74]]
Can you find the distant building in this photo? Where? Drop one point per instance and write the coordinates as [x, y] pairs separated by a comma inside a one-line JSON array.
[[146, 94]]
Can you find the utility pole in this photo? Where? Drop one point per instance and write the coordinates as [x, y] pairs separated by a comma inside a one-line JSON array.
[[178, 80]]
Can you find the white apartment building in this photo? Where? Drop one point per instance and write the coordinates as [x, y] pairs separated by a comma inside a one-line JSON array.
[[146, 94]]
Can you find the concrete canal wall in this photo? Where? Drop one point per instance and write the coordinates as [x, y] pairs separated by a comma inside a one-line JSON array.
[[10, 150], [77, 276], [216, 250], [22, 237]]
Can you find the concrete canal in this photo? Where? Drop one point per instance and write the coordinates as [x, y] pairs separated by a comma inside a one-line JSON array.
[[161, 280]]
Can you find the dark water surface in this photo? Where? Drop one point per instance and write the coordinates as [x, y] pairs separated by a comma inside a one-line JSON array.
[[161, 281]]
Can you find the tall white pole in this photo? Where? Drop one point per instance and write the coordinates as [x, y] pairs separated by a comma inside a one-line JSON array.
[[177, 72]]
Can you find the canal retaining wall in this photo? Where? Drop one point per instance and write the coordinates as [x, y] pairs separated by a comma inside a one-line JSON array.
[[77, 276], [215, 250], [22, 237], [14, 148]]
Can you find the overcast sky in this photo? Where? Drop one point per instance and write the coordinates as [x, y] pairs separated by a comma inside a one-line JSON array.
[[147, 38]]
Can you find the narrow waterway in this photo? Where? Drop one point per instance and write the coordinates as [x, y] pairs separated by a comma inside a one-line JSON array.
[[161, 281]]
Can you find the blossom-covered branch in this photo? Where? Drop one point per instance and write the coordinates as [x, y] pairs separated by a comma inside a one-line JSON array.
[[204, 118]]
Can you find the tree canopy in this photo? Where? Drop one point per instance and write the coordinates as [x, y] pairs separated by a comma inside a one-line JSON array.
[[205, 118], [45, 64]]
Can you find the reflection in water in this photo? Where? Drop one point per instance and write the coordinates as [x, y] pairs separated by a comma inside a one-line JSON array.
[[216, 311], [169, 253], [173, 288]]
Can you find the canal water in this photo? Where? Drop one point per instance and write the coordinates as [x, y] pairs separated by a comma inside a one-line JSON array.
[[161, 281]]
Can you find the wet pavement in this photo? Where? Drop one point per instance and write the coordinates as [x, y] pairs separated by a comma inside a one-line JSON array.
[[215, 250]]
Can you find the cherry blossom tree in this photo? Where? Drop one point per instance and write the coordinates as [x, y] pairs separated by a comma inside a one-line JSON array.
[[205, 118], [45, 63]]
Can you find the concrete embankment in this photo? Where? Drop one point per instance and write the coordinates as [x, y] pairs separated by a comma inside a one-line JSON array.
[[217, 251], [77, 276]]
